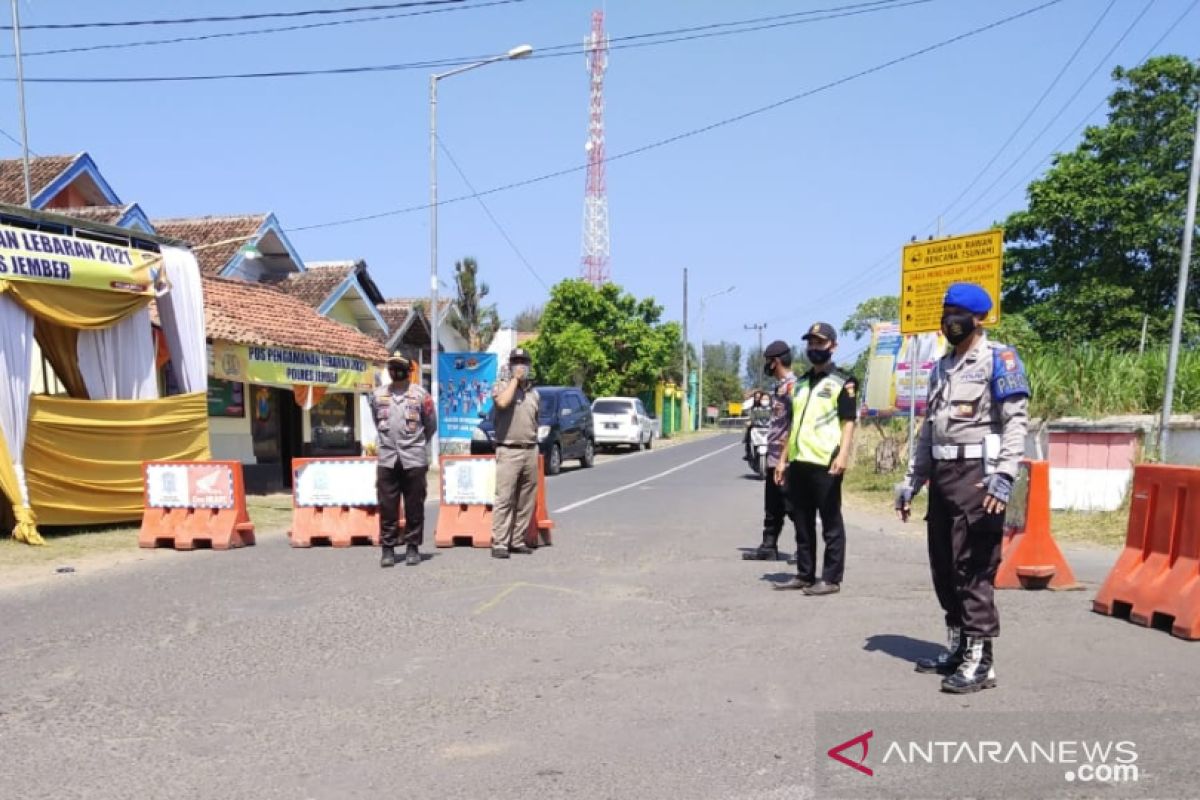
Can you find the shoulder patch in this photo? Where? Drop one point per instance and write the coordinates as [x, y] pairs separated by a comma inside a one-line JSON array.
[[1008, 374]]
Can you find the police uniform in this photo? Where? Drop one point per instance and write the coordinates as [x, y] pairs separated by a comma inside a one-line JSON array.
[[970, 446], [406, 422], [823, 401], [516, 464], [776, 509]]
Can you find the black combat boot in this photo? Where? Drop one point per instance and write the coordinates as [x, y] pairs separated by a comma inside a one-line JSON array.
[[976, 671], [945, 663], [389, 556], [413, 556], [767, 551]]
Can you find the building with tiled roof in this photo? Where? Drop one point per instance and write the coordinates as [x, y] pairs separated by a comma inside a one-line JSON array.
[[252, 247], [56, 182], [341, 290], [410, 332]]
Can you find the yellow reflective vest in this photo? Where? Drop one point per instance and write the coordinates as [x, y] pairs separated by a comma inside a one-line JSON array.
[[816, 430]]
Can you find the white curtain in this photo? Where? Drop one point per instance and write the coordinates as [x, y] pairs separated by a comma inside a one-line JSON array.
[[16, 367], [117, 362], [181, 311]]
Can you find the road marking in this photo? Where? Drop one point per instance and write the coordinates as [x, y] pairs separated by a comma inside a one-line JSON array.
[[635, 484], [512, 587]]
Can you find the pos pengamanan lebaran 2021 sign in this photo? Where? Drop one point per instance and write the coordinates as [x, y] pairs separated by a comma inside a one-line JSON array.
[[283, 366], [55, 259]]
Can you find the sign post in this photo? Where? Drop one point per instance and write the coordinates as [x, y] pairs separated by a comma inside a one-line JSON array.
[[927, 269]]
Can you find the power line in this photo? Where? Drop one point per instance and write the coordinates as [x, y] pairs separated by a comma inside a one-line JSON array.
[[1021, 126], [491, 216], [705, 129], [260, 31], [314, 12], [553, 51], [1100, 65]]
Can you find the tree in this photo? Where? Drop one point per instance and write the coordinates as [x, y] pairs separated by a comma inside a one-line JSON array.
[[885, 308], [476, 322], [528, 320], [603, 340], [722, 373], [754, 377], [1097, 250]]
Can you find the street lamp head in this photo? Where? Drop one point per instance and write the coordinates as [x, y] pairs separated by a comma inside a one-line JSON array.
[[521, 51]]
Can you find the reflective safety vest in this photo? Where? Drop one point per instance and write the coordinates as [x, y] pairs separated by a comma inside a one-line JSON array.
[[816, 433]]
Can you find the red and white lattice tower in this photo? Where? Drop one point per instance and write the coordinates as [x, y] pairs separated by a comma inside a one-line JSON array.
[[595, 198]]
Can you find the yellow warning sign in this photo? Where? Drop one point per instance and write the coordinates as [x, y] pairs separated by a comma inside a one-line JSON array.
[[928, 269]]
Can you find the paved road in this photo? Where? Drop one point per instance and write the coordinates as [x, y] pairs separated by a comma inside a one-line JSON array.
[[638, 657]]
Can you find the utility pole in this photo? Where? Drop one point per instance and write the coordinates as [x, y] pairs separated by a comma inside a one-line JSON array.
[[686, 422], [758, 326], [16, 20], [1189, 228]]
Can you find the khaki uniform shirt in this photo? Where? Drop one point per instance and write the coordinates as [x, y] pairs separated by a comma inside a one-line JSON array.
[[517, 424], [406, 422], [963, 408]]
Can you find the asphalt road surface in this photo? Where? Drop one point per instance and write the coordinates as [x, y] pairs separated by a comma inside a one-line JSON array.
[[638, 657]]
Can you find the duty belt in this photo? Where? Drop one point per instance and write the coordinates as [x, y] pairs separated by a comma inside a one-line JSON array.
[[517, 446], [956, 452]]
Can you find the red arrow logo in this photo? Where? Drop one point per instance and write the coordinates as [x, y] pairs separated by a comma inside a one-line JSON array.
[[835, 752]]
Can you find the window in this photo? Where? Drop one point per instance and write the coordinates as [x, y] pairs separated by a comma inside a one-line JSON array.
[[641, 409], [333, 424], [611, 407]]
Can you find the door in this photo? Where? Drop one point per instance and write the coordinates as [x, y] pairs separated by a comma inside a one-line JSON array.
[[644, 424], [291, 433], [583, 422]]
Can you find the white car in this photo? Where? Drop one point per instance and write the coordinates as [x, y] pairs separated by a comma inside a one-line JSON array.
[[622, 421]]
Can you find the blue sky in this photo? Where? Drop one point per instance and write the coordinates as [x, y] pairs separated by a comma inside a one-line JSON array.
[[800, 207]]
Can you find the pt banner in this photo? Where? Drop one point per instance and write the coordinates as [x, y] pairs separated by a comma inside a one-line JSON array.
[[889, 370], [68, 261], [464, 393]]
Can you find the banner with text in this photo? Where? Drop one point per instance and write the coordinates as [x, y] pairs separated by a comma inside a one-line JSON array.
[[285, 367], [889, 370], [465, 392], [70, 261]]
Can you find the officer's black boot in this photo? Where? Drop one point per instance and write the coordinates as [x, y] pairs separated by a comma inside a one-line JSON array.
[[413, 556], [389, 556], [946, 663], [976, 671], [767, 551]]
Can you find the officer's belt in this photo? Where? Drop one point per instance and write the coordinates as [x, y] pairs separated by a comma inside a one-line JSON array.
[[956, 452]]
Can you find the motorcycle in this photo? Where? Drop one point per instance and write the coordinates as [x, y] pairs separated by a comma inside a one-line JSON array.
[[756, 441]]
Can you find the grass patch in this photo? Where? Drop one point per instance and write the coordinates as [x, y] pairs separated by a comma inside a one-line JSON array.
[[67, 544], [1105, 528]]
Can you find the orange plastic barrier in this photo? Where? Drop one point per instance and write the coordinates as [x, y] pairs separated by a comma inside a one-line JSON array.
[[190, 503], [1030, 559], [460, 522], [324, 520], [1156, 580]]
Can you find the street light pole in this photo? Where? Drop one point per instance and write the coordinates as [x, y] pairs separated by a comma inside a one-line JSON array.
[[521, 51], [700, 389], [1189, 228]]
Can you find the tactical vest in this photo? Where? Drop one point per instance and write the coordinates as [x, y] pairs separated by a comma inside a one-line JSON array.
[[816, 433]]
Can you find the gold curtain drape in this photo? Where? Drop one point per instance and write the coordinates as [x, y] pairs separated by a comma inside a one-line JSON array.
[[83, 458], [87, 309], [60, 346], [26, 528]]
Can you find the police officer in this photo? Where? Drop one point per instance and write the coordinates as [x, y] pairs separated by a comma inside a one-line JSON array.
[[778, 365], [406, 422], [969, 450], [517, 406], [824, 410]]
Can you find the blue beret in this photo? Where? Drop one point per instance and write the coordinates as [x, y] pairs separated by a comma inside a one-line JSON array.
[[970, 296]]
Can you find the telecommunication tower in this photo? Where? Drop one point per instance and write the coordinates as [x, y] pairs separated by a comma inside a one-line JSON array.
[[595, 198]]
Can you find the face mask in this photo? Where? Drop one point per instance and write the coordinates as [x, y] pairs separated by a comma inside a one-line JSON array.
[[818, 357], [768, 369], [399, 374], [958, 327]]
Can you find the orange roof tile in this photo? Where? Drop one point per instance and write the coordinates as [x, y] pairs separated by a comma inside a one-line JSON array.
[[199, 232]]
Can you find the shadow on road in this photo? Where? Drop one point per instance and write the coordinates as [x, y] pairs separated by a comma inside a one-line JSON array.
[[778, 577], [904, 648]]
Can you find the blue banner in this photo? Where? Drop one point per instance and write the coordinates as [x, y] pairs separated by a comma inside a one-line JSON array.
[[465, 392]]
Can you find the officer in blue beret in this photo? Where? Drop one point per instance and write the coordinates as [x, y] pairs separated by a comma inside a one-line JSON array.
[[969, 450]]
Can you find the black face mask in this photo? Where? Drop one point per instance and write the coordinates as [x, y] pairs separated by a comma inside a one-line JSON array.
[[768, 368], [958, 327], [818, 357], [399, 374]]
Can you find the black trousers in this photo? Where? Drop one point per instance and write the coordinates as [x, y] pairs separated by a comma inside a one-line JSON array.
[[776, 509], [813, 491], [964, 547], [394, 485]]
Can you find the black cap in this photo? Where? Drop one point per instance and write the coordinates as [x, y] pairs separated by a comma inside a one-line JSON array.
[[823, 330], [519, 354], [777, 349]]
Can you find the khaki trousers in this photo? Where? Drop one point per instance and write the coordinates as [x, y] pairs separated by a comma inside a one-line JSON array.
[[516, 495]]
